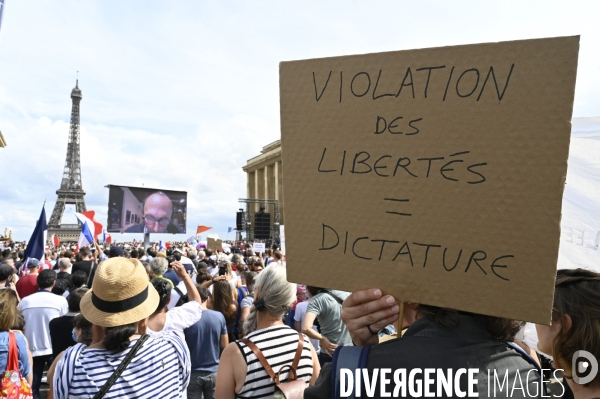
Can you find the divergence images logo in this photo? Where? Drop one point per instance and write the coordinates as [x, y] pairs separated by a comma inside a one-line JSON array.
[[580, 367]]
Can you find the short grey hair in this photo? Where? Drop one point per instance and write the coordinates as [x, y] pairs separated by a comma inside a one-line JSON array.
[[64, 263], [159, 265], [201, 255]]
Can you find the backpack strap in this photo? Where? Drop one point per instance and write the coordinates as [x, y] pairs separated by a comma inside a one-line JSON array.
[[90, 278], [124, 363], [261, 358], [347, 357], [337, 299]]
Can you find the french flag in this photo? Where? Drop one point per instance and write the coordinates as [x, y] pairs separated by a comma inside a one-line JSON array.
[[107, 238], [86, 236], [37, 243], [160, 246], [88, 217]]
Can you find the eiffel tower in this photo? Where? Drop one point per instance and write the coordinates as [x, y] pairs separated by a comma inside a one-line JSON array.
[[71, 190]]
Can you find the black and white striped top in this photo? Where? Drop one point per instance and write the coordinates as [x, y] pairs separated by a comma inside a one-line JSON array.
[[278, 344], [161, 369]]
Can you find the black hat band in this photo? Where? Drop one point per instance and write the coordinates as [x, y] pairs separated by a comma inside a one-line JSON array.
[[122, 305]]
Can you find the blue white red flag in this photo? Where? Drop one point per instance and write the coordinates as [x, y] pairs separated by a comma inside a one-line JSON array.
[[107, 238], [89, 217], [85, 237], [230, 229], [37, 243]]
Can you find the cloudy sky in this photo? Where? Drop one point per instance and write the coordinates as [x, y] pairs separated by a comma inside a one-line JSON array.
[[179, 95]]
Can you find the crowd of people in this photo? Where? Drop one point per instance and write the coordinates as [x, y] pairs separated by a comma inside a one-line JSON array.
[[123, 321]]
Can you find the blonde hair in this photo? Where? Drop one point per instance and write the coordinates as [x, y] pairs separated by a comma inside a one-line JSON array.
[[273, 294]]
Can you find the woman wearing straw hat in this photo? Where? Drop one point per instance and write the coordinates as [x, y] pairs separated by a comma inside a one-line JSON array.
[[123, 361]]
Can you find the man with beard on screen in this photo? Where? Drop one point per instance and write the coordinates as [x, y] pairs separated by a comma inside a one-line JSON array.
[[158, 213]]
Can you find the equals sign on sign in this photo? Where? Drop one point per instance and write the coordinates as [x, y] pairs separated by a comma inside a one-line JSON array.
[[397, 200]]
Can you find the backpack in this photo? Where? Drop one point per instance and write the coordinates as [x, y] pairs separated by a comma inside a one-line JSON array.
[[14, 385], [293, 388]]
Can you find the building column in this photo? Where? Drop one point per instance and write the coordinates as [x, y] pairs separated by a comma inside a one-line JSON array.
[[266, 182], [276, 180]]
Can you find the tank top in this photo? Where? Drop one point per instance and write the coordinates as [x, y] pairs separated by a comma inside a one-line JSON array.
[[278, 344]]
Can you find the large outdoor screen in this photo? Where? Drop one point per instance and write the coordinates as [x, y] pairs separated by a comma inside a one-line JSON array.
[[146, 210]]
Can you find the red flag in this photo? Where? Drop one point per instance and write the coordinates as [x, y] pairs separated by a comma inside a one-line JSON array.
[[202, 229], [55, 240], [168, 245]]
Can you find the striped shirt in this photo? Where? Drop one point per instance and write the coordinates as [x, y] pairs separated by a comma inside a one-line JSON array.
[[161, 367], [278, 344]]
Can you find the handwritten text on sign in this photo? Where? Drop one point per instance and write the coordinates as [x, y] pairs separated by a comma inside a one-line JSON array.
[[433, 174]]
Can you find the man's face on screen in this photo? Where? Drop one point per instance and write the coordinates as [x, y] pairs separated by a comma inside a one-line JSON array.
[[158, 210]]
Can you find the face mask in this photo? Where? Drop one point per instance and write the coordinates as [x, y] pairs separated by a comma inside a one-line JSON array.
[[73, 335]]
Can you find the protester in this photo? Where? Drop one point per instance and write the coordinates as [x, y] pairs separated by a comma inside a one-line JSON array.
[[8, 318], [8, 276], [86, 264], [178, 318], [170, 273], [62, 327], [27, 284], [222, 301], [159, 266], [79, 279], [299, 317], [205, 339], [38, 310], [325, 306], [225, 270], [437, 339], [240, 374], [82, 331], [64, 265], [118, 305], [575, 326], [248, 278]]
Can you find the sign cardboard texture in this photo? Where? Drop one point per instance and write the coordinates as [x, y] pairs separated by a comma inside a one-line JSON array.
[[214, 244], [436, 174]]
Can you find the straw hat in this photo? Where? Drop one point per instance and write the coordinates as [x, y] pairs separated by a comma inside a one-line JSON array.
[[121, 294]]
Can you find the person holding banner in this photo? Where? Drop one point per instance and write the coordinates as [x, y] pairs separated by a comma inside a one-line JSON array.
[[438, 339], [575, 329]]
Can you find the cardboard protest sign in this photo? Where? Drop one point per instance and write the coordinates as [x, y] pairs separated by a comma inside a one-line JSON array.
[[214, 244], [436, 174], [258, 247]]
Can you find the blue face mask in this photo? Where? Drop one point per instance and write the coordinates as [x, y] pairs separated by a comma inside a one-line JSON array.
[[73, 335]]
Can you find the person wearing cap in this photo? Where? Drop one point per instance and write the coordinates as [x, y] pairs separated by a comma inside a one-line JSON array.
[[27, 285], [115, 252], [118, 306]]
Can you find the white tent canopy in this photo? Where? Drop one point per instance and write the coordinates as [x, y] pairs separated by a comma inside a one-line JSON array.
[[580, 224]]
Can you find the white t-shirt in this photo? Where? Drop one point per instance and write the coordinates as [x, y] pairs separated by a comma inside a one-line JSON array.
[[175, 295], [299, 316], [178, 319], [38, 309]]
